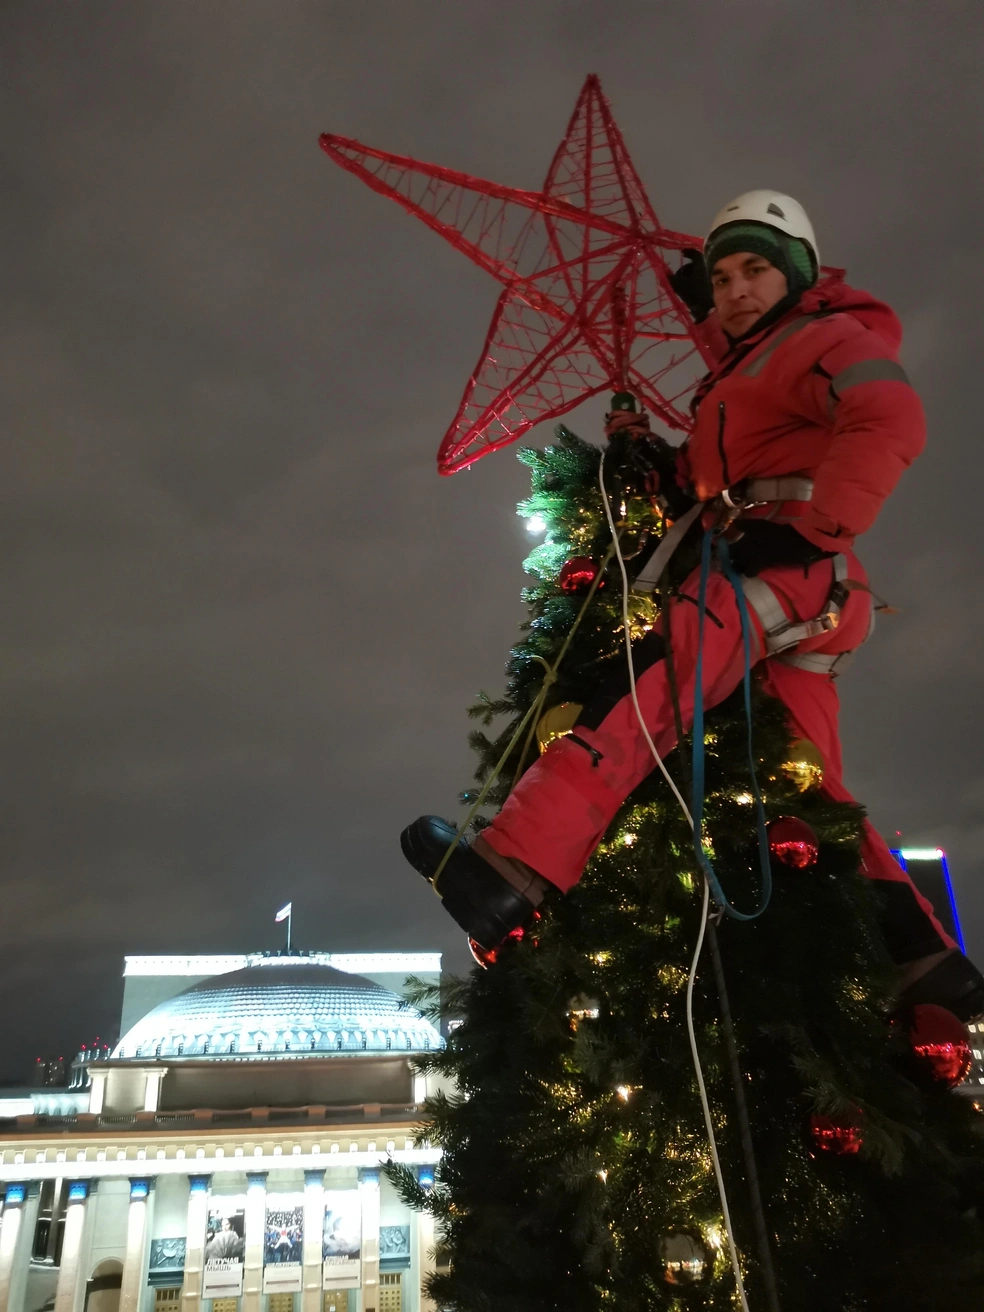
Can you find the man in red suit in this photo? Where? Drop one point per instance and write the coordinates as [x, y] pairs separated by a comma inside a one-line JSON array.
[[801, 432]]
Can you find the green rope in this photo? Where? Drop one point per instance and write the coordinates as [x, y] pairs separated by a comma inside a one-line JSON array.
[[530, 718]]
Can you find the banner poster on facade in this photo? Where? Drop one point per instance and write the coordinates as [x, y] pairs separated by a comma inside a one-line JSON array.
[[225, 1247], [341, 1247], [283, 1244]]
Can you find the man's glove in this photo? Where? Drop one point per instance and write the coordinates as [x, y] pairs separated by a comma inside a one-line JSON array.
[[763, 544], [644, 465], [692, 285]]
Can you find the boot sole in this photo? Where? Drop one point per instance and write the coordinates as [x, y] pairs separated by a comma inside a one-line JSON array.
[[424, 843]]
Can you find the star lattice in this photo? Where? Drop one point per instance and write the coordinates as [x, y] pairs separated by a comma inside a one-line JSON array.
[[586, 305]]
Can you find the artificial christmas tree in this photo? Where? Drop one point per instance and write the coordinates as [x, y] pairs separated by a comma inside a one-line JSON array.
[[615, 1088], [577, 1171]]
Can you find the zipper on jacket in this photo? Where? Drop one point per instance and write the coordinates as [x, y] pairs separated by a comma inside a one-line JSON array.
[[721, 452]]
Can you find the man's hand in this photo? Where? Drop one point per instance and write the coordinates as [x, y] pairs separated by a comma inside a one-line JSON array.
[[634, 423], [644, 464], [692, 285]]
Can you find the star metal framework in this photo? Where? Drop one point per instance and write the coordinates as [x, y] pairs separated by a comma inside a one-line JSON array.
[[586, 306]]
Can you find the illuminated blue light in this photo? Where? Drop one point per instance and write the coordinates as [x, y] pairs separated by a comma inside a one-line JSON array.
[[905, 854], [198, 1184], [16, 1193], [139, 1189], [425, 1177], [78, 1191]]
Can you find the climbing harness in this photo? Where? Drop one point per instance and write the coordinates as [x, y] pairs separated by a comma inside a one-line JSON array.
[[782, 634]]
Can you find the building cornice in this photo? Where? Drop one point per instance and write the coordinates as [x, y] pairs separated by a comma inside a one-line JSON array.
[[41, 1155]]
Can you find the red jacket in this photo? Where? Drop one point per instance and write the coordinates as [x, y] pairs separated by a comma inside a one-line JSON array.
[[821, 394]]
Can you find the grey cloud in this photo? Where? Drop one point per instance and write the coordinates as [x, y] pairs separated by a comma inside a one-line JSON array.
[[242, 617]]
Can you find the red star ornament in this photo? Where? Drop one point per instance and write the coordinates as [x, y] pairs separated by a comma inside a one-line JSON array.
[[586, 306]]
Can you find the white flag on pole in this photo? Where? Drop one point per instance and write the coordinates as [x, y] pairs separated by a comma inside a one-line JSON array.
[[283, 913]]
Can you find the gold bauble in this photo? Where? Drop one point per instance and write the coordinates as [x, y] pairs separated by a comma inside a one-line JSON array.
[[556, 722], [805, 765]]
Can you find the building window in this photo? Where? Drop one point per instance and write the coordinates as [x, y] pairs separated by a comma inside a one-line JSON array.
[[336, 1300], [169, 1300], [225, 1305], [281, 1303], [49, 1230], [390, 1292]]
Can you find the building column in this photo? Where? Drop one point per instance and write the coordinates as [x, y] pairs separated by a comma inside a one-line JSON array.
[[195, 1225], [152, 1090], [70, 1291], [422, 1257], [137, 1230], [20, 1215], [369, 1190], [255, 1225], [97, 1091], [314, 1220]]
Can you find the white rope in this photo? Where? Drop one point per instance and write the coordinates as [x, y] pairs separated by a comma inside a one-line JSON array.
[[691, 1031]]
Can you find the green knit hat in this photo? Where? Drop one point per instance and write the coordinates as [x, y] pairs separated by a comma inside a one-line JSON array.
[[789, 254]]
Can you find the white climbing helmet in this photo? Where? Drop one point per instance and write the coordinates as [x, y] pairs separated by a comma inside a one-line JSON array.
[[774, 208]]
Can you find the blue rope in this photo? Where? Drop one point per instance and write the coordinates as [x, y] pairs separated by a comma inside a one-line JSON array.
[[724, 559]]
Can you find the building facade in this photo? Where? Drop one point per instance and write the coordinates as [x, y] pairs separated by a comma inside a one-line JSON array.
[[227, 1155]]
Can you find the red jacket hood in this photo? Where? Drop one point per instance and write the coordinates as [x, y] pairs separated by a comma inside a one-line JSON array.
[[833, 293]]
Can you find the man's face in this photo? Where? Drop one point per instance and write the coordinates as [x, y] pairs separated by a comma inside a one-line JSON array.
[[745, 286]]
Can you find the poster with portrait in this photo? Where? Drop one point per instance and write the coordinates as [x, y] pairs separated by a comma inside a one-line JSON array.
[[283, 1244], [225, 1247], [341, 1245]]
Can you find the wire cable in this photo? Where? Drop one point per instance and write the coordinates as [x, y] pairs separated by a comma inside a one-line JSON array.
[[705, 904]]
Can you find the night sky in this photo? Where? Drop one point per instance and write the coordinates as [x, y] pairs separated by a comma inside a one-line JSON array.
[[242, 616]]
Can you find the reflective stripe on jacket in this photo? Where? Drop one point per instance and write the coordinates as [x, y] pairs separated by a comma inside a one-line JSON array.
[[821, 394]]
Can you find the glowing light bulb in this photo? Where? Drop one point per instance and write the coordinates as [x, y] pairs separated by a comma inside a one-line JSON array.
[[536, 524]]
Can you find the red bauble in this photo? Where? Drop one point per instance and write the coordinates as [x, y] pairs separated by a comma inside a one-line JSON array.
[[835, 1137], [940, 1044], [577, 575], [489, 956], [792, 842]]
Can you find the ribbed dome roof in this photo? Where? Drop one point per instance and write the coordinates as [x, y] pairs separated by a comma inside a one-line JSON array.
[[280, 1007]]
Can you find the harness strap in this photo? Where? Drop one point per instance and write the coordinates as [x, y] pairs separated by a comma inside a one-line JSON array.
[[757, 491], [781, 633], [791, 488], [647, 578], [818, 662]]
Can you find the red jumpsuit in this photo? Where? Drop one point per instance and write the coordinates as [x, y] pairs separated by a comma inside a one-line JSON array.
[[819, 395]]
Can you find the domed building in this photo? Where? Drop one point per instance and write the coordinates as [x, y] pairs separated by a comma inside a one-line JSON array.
[[226, 1155], [278, 1007]]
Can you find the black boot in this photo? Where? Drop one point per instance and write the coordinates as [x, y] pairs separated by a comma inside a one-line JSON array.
[[954, 983], [484, 904]]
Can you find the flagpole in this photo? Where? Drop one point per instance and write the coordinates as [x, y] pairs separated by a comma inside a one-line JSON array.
[[289, 915]]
